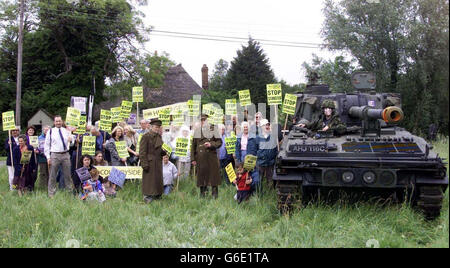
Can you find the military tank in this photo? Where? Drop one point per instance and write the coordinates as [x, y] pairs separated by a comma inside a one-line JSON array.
[[372, 155]]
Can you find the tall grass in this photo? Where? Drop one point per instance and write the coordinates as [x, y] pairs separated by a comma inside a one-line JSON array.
[[182, 219]]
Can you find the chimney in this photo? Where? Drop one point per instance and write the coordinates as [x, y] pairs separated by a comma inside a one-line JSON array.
[[205, 76]]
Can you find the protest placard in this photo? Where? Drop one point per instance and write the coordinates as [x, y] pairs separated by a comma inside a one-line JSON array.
[[167, 149], [88, 145], [217, 117], [208, 109], [230, 172], [41, 145], [79, 103], [132, 119], [230, 144], [130, 172], [83, 174], [121, 148], [230, 107], [182, 145], [105, 120], [250, 162], [138, 94], [194, 107], [81, 129], [25, 158], [8, 121], [117, 177], [125, 109], [138, 145], [244, 97], [115, 114], [34, 141], [178, 118], [290, 102], [164, 116], [274, 94], [73, 117]]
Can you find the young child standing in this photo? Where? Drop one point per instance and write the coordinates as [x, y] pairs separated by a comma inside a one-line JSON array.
[[170, 172], [243, 184]]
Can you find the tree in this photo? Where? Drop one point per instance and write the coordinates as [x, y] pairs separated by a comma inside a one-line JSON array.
[[405, 42], [337, 73], [64, 43], [217, 81], [250, 70]]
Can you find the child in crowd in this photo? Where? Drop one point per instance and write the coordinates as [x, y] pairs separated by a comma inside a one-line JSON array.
[[242, 182], [170, 172], [92, 188]]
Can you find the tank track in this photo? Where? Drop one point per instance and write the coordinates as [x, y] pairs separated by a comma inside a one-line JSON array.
[[287, 195], [429, 201]]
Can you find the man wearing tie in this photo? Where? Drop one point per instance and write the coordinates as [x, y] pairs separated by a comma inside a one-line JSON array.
[[57, 144]]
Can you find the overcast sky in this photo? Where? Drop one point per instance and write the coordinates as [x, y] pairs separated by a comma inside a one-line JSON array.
[[295, 21]]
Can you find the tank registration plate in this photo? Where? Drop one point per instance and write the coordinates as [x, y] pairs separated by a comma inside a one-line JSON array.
[[303, 148]]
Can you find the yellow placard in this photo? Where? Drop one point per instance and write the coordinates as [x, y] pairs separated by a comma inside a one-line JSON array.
[[105, 120], [230, 144], [244, 97], [151, 113], [131, 173], [138, 94], [164, 116], [121, 148], [138, 145], [182, 145], [230, 107], [34, 141], [274, 94], [25, 158], [250, 162], [81, 129], [217, 117], [115, 115], [73, 117], [230, 172], [290, 102], [178, 118], [126, 109], [8, 121], [88, 145], [167, 148], [194, 107]]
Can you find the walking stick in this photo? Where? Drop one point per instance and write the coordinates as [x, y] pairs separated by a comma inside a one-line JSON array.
[[285, 124], [10, 150], [78, 147], [178, 177]]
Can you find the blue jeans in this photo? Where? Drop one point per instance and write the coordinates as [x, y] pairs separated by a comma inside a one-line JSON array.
[[256, 182], [167, 189]]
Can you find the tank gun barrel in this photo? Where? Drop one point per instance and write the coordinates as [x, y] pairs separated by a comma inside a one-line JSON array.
[[391, 114]]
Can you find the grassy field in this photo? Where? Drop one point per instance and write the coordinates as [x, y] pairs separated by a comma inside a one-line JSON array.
[[184, 220]]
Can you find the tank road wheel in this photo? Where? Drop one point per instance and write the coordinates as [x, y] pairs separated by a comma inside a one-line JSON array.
[[429, 201], [288, 195]]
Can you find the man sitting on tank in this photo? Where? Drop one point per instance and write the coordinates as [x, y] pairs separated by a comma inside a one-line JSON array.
[[328, 121]]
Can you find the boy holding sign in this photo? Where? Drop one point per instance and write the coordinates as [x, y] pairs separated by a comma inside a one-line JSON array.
[[243, 183]]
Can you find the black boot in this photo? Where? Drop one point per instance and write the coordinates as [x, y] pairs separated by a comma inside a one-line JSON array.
[[215, 191], [203, 190]]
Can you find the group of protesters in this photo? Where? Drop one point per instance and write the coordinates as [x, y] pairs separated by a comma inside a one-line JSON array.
[[59, 156]]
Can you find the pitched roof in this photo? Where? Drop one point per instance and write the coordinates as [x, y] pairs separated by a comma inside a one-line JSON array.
[[178, 87]]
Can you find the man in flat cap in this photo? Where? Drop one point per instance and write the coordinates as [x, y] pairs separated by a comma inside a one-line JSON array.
[[203, 155], [151, 154]]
